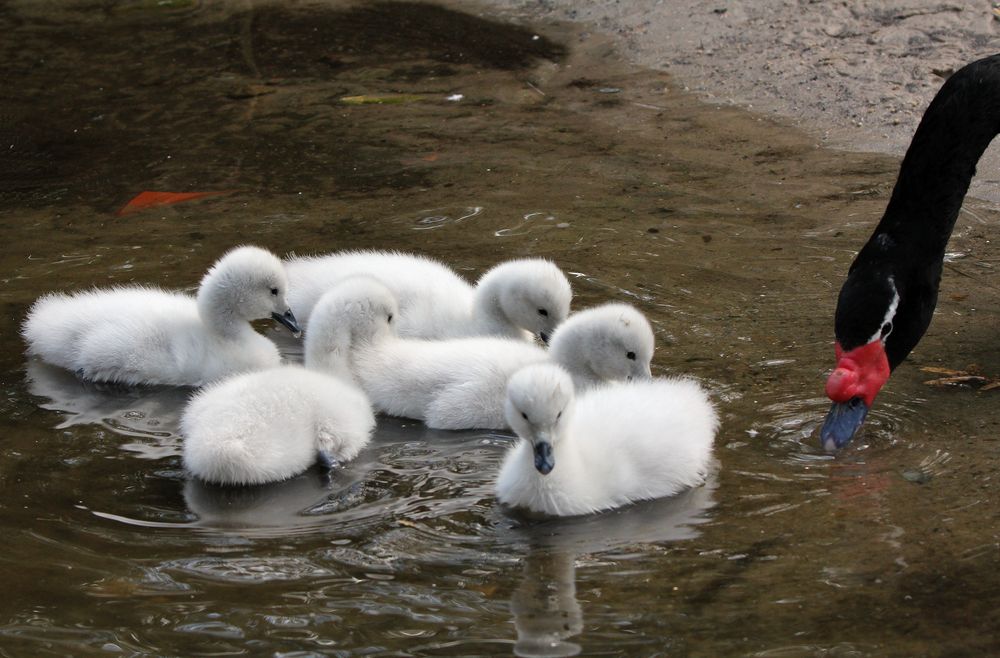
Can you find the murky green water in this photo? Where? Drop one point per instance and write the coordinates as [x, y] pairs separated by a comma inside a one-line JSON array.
[[730, 232]]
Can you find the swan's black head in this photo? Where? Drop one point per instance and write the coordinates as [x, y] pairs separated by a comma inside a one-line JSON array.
[[864, 326]]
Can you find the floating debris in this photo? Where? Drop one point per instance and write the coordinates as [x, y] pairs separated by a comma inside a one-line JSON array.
[[917, 476], [381, 99], [149, 199], [961, 378]]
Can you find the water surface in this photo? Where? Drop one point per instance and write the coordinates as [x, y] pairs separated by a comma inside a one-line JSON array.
[[420, 127]]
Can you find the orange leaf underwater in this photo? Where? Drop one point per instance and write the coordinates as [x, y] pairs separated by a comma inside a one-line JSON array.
[[149, 199]]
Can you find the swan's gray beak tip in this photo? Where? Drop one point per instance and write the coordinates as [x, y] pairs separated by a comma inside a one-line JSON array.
[[544, 463], [842, 423], [287, 319]]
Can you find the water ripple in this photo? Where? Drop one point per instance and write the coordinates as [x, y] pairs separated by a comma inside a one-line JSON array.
[[248, 569], [438, 217]]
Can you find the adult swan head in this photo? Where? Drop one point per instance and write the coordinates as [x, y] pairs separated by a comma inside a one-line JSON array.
[[886, 304]]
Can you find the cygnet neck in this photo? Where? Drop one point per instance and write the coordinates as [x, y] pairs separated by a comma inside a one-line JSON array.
[[568, 351], [218, 310], [488, 314], [328, 349]]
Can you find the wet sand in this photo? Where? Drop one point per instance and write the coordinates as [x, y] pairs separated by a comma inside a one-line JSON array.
[[856, 75]]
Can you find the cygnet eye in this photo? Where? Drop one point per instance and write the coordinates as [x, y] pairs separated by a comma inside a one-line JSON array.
[[524, 415], [389, 319], [558, 415], [543, 312], [274, 291], [630, 356]]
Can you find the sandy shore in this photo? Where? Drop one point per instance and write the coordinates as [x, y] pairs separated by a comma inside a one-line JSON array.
[[856, 74]]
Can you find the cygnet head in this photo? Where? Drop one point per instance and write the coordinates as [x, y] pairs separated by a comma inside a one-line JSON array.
[[611, 342], [539, 399], [357, 310], [531, 294], [247, 283]]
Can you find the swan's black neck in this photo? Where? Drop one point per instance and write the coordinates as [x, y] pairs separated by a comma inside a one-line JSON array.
[[909, 242], [961, 121]]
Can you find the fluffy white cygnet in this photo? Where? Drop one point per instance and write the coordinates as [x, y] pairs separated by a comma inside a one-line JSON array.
[[448, 384], [611, 446], [459, 383], [611, 342], [514, 299], [273, 424], [145, 335]]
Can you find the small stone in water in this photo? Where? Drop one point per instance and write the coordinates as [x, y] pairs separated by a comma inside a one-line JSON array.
[[917, 476]]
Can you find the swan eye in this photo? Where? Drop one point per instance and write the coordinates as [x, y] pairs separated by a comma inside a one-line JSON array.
[[543, 312], [524, 415], [630, 356], [274, 291], [886, 329]]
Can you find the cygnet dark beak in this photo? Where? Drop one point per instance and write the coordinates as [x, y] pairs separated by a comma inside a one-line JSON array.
[[326, 460], [544, 463], [843, 420], [288, 320]]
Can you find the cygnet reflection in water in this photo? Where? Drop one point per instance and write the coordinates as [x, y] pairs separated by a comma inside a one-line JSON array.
[[544, 605], [144, 411], [303, 502]]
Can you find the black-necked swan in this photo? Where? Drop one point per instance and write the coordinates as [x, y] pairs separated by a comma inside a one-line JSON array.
[[145, 335], [449, 384], [606, 447], [887, 301], [514, 299]]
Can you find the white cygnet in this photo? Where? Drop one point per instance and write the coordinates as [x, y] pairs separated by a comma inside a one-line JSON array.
[[273, 424], [449, 384], [515, 299], [611, 342], [611, 446], [145, 335]]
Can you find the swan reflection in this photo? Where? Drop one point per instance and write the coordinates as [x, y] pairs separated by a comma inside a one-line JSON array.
[[149, 411], [544, 605]]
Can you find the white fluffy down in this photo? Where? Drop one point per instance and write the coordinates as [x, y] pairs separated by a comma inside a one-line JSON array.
[[615, 444], [610, 342], [145, 335], [449, 384], [270, 425], [515, 299]]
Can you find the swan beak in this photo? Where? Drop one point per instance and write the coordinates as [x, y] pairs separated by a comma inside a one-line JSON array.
[[544, 462], [326, 460], [641, 372], [288, 320], [645, 372], [842, 422]]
